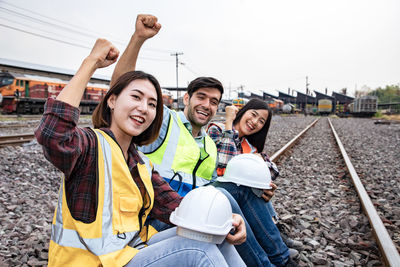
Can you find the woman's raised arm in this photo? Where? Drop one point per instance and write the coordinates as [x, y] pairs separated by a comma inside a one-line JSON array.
[[102, 55]]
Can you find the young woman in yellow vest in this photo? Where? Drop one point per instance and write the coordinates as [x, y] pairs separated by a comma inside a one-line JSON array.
[[245, 131], [109, 189]]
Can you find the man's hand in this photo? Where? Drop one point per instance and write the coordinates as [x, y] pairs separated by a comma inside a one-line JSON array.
[[103, 53], [269, 193], [146, 26], [240, 231]]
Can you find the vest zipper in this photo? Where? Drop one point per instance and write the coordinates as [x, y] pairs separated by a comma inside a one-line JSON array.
[[198, 165]]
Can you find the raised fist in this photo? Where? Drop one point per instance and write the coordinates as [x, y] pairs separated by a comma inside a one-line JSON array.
[[146, 26], [104, 53], [230, 113]]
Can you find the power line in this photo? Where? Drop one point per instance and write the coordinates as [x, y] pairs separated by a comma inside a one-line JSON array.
[[46, 37], [190, 70], [50, 18], [86, 34], [52, 33], [49, 23], [69, 43]]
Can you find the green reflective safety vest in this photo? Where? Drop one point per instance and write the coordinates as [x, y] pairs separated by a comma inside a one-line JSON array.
[[178, 159], [119, 230]]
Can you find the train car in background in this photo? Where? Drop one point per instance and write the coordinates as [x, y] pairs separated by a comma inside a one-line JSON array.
[[26, 94], [239, 102], [288, 108], [275, 105], [365, 106], [324, 106], [167, 98]]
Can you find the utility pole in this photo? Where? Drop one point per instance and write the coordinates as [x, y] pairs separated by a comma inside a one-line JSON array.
[[307, 84], [177, 63], [229, 91], [240, 90]]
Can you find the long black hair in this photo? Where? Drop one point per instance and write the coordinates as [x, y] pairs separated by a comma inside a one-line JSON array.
[[256, 139], [102, 114]]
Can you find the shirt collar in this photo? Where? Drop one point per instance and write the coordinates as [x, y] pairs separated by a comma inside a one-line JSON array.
[[132, 151], [188, 126]]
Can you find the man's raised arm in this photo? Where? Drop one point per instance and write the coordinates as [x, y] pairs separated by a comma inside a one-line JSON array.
[[145, 28]]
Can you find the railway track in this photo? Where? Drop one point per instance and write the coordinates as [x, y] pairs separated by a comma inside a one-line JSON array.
[[16, 139], [388, 251], [36, 186]]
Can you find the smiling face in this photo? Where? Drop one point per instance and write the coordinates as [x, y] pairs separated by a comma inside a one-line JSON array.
[[134, 109], [252, 121], [201, 106]]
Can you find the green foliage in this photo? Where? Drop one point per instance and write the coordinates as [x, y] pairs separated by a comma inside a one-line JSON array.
[[378, 114], [389, 94]]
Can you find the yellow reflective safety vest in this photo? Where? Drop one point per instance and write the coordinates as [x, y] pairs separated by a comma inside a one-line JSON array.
[[114, 238], [179, 159]]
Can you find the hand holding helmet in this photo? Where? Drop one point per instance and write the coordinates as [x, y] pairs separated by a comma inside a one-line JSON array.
[[204, 214], [248, 170]]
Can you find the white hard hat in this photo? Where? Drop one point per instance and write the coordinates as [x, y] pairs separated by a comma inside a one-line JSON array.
[[249, 170], [204, 214]]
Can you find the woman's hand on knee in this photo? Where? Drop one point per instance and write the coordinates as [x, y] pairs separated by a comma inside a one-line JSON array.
[[239, 235]]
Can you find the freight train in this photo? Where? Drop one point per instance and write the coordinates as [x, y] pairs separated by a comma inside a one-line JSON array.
[[275, 105], [239, 102], [365, 106], [324, 106], [26, 94]]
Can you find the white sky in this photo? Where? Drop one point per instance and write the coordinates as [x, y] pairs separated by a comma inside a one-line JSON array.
[[263, 45]]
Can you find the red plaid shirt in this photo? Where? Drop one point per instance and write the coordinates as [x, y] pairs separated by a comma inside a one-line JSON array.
[[73, 150], [229, 145]]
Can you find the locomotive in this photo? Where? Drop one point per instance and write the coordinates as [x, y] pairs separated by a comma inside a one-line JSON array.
[[239, 102], [275, 105], [324, 106], [365, 106], [26, 94]]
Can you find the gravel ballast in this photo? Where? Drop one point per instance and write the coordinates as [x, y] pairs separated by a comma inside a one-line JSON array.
[[315, 199]]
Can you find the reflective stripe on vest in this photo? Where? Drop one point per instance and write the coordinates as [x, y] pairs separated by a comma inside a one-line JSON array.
[[246, 149], [117, 224], [178, 157]]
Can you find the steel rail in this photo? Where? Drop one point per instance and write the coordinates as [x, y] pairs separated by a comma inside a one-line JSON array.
[[280, 152], [16, 139], [389, 252]]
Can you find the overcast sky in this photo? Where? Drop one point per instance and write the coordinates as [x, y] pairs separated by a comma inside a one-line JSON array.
[[260, 44]]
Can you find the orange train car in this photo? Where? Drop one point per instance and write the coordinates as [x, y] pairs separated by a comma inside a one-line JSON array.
[[275, 105], [239, 102], [26, 94]]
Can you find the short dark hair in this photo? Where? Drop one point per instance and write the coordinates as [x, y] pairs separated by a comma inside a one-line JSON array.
[[102, 114], [203, 82], [256, 139]]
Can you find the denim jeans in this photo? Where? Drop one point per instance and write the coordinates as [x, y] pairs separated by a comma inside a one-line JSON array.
[[258, 217], [250, 251], [167, 249]]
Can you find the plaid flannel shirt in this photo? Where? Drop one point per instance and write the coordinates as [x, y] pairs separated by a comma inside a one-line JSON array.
[[229, 145], [73, 150]]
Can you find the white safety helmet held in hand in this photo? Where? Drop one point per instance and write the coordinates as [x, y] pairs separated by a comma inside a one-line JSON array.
[[204, 214], [249, 170]]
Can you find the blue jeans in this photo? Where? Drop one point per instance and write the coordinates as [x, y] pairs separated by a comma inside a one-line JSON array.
[[258, 217], [271, 209], [167, 249], [250, 251]]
